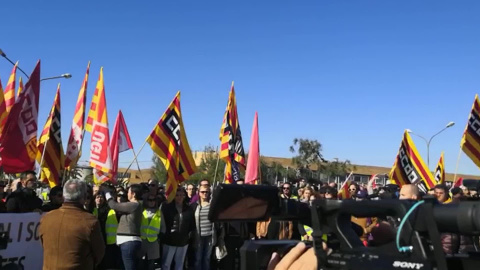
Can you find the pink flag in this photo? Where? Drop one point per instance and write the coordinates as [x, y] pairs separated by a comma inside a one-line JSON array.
[[252, 174], [120, 142]]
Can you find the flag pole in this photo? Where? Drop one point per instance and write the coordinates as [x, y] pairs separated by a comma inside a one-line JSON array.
[[216, 167], [41, 160], [135, 157], [138, 165], [456, 167]]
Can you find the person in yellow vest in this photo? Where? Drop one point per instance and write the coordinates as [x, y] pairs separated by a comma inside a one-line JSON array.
[[108, 224], [151, 227]]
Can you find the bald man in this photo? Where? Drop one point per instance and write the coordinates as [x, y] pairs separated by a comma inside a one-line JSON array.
[[409, 192]]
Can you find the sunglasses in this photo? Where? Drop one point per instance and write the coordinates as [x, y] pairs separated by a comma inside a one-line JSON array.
[[286, 188], [204, 192]]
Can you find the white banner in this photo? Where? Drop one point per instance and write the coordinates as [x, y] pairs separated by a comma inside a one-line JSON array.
[[24, 246]]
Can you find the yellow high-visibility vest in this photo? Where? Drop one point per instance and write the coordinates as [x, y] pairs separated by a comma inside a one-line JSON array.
[[110, 226], [151, 231], [309, 231]]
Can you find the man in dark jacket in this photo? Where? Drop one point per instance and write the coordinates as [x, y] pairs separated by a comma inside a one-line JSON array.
[[56, 199], [24, 199]]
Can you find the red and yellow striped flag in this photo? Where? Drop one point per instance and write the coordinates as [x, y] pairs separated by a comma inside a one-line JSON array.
[[100, 155], [20, 87], [169, 142], [91, 113], [440, 171], [344, 193], [231, 144], [471, 139], [3, 109], [409, 167], [76, 132], [10, 89], [50, 148]]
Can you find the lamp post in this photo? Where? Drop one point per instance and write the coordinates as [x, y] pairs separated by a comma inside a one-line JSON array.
[[65, 75], [2, 53], [450, 124]]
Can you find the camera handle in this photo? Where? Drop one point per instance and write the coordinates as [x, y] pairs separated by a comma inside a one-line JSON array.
[[317, 238], [426, 211]]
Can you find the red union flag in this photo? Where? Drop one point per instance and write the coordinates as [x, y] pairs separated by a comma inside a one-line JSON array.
[[100, 156], [19, 135], [120, 142]]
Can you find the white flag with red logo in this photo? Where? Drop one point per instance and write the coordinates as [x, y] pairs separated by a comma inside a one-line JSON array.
[[120, 142]]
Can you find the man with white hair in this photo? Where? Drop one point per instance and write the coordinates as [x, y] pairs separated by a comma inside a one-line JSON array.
[[71, 237]]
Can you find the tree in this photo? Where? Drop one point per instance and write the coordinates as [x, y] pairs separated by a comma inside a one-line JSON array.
[[308, 152], [158, 170], [337, 168], [208, 168]]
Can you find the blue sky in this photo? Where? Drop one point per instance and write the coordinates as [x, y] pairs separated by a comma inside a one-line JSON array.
[[352, 74]]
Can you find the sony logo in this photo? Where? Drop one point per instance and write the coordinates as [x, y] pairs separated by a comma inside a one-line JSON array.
[[407, 265]]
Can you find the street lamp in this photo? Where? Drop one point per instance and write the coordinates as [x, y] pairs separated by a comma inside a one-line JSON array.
[[2, 53], [450, 124], [66, 76]]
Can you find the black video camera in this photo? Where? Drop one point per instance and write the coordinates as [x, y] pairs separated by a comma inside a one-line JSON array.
[[418, 246]]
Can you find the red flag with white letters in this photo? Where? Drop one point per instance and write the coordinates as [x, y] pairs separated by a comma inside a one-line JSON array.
[[19, 135], [100, 155]]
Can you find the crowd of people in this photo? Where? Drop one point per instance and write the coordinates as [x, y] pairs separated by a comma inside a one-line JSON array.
[[112, 227]]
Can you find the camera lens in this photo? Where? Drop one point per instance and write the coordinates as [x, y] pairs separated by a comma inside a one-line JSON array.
[[461, 218]]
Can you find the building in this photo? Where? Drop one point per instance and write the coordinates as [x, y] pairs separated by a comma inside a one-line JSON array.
[[361, 173]]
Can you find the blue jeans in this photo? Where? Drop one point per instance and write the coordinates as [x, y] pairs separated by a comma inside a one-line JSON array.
[[131, 254], [204, 251]]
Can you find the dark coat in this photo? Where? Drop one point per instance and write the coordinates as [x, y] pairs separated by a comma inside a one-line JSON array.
[[178, 227], [23, 201]]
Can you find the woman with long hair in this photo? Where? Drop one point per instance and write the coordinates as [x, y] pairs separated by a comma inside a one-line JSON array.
[[179, 224]]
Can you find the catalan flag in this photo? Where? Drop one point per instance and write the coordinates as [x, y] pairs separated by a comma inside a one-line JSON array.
[[77, 130], [169, 142], [344, 193], [91, 113], [19, 135], [50, 149], [3, 109], [10, 89], [100, 155], [471, 139], [20, 87], [409, 167], [440, 171], [231, 144]]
